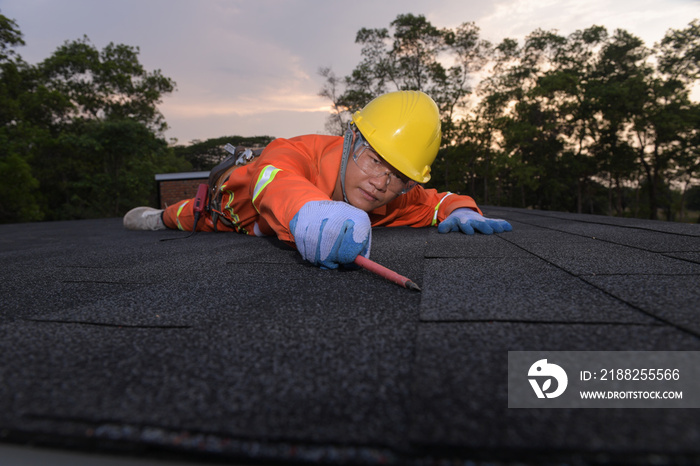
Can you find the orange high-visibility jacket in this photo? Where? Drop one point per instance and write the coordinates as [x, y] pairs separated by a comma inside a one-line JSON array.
[[262, 197]]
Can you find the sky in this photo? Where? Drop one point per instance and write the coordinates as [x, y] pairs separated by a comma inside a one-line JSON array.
[[250, 67]]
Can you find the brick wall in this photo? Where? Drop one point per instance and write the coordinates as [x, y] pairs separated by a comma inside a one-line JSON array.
[[173, 190]]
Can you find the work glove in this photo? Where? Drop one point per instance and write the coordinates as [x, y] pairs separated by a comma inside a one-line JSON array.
[[331, 233], [467, 220]]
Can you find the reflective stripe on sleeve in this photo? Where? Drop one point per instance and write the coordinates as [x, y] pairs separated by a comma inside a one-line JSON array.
[[435, 215], [177, 217], [267, 175]]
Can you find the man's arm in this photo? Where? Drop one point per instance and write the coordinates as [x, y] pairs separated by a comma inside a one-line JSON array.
[[428, 207]]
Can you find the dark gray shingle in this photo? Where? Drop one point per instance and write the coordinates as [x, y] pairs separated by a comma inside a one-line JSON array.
[[229, 344]]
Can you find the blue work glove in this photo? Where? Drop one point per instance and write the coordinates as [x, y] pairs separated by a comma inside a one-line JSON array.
[[467, 220], [330, 233]]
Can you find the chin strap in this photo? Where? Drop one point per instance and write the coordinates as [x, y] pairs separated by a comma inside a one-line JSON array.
[[349, 138]]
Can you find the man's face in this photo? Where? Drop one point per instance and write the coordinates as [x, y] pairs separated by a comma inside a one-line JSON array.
[[364, 191]]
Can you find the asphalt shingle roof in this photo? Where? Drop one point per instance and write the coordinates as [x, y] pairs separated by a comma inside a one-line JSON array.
[[232, 346]]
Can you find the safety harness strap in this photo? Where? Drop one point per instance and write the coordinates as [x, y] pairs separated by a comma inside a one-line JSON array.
[[347, 144], [220, 174]]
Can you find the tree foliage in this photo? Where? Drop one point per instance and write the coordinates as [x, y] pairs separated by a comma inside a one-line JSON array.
[[409, 57], [18, 186], [204, 155], [80, 132], [106, 84], [589, 122]]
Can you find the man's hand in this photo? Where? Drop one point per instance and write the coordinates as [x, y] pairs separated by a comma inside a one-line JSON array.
[[467, 220], [331, 233]]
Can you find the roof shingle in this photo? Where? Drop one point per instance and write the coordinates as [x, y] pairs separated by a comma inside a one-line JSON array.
[[230, 345]]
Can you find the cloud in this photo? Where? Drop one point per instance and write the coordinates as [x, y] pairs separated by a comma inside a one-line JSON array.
[[250, 67], [207, 125], [648, 19]]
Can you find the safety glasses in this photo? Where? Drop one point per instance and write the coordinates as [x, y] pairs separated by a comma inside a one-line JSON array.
[[374, 166]]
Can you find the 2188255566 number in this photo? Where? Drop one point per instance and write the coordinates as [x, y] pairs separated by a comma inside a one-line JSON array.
[[640, 374]]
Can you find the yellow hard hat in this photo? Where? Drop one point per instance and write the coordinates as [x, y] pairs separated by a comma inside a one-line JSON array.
[[404, 128]]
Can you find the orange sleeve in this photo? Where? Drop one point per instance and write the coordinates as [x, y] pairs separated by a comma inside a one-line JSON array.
[[288, 175], [421, 207]]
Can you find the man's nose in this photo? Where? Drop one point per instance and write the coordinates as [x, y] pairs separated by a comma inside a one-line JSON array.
[[380, 182]]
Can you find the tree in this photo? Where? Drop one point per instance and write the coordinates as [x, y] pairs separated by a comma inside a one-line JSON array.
[[114, 162], [19, 195], [10, 37], [204, 155], [409, 57], [340, 115], [570, 82], [521, 103], [414, 55], [106, 84], [453, 87], [591, 108], [615, 91], [104, 123], [678, 65], [584, 122], [665, 123], [80, 133]]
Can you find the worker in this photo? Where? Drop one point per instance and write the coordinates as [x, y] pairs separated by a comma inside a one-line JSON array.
[[325, 193]]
